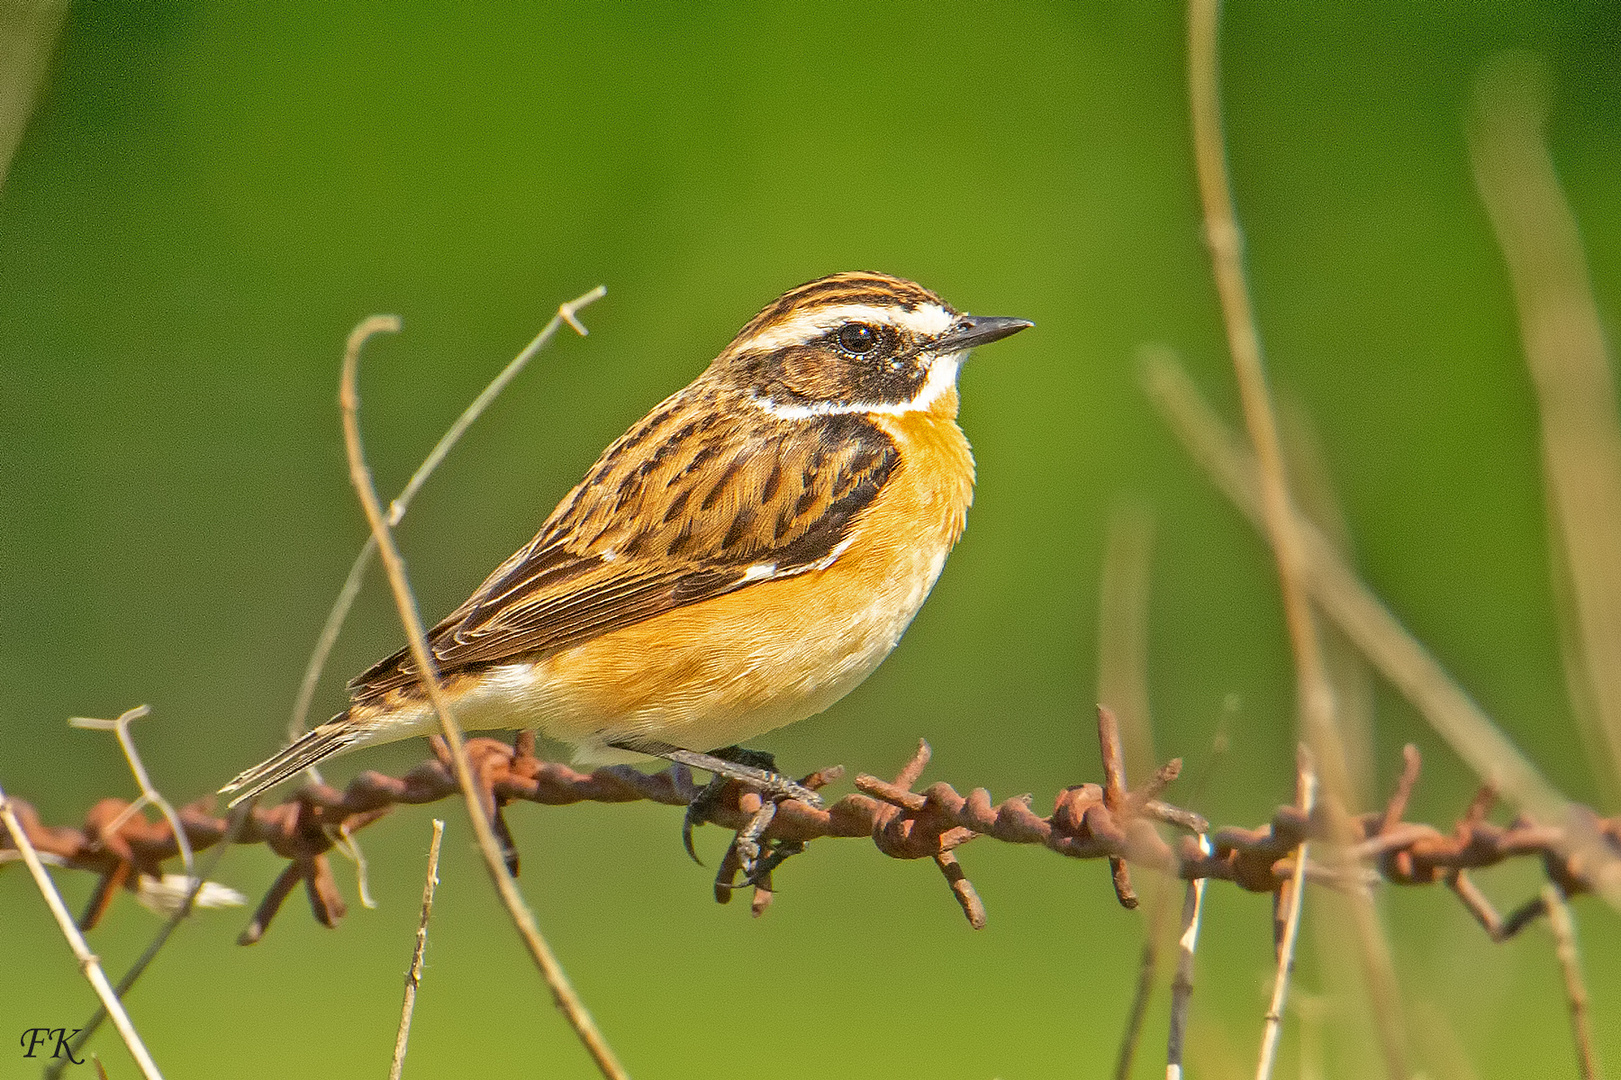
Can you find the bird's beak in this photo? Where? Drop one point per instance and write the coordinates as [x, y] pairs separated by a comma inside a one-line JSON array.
[[971, 330]]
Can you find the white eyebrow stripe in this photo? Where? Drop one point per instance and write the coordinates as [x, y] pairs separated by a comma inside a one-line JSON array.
[[942, 377], [925, 320]]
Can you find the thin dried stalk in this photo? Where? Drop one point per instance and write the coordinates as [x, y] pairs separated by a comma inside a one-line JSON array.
[[1182, 983], [1147, 967], [413, 974], [1570, 963], [1306, 792], [566, 313], [1315, 698], [89, 965], [1575, 386], [567, 1000]]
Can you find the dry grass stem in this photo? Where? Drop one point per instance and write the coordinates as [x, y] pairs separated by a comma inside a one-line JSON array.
[[413, 973], [1182, 983], [1147, 972], [1575, 386], [298, 722], [1350, 676], [1570, 964], [1399, 656], [89, 964], [562, 991], [1288, 902]]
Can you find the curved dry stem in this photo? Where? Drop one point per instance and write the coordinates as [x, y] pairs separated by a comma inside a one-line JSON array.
[[1563, 926], [567, 1000], [566, 313], [238, 818], [1563, 338], [1394, 651]]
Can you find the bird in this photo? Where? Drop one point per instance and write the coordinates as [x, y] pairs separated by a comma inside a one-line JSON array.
[[740, 559]]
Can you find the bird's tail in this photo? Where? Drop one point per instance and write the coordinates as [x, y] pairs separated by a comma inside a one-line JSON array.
[[314, 745]]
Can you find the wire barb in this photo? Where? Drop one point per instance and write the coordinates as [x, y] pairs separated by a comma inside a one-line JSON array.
[[901, 823]]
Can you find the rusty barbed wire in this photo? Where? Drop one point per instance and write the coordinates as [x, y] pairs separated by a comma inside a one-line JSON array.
[[1088, 821]]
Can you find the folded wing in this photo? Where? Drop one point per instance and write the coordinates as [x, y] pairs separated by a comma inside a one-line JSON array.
[[702, 498]]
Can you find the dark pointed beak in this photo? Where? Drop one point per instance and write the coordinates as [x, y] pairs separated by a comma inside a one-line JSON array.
[[971, 330]]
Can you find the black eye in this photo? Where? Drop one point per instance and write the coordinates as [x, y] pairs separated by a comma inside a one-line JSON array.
[[858, 338]]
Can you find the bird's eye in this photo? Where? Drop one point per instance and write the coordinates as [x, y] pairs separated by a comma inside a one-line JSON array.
[[858, 338]]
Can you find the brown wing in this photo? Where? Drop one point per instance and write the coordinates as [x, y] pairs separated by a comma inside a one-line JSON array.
[[705, 496]]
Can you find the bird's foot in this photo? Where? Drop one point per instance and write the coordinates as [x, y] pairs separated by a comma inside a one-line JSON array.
[[754, 858], [754, 769]]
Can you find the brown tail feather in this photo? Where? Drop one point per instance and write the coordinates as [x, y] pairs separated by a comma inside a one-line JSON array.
[[314, 745]]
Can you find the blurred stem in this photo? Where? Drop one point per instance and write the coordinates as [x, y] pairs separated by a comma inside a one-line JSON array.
[[28, 31], [1313, 693], [1570, 368]]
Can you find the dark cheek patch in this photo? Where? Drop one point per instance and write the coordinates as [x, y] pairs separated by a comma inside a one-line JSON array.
[[887, 382], [805, 374]]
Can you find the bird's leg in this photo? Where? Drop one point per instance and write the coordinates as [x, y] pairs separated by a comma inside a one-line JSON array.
[[754, 768]]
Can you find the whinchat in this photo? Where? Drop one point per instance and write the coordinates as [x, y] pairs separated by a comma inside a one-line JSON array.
[[740, 559]]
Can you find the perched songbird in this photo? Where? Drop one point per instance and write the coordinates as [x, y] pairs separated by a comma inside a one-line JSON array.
[[740, 559]]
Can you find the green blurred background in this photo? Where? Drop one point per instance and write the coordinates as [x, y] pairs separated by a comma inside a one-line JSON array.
[[211, 194]]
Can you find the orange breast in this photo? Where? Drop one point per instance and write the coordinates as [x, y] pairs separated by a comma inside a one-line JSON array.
[[719, 672]]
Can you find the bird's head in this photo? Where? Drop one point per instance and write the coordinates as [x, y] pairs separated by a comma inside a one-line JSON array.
[[856, 343]]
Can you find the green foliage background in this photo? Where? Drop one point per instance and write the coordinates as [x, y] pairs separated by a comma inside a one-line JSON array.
[[211, 194]]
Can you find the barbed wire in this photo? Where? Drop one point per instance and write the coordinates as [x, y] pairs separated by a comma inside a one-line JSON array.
[[1088, 821]]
